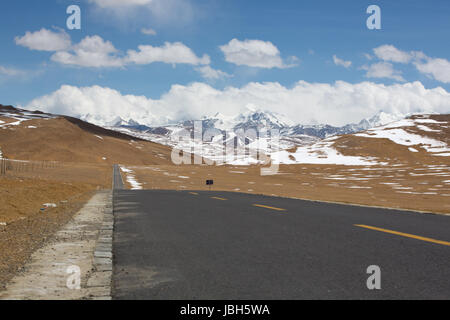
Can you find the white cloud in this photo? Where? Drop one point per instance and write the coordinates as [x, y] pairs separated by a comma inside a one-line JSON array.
[[212, 74], [253, 53], [337, 104], [45, 40], [392, 54], [340, 62], [90, 52], [148, 31], [95, 52], [437, 68], [383, 70], [172, 53]]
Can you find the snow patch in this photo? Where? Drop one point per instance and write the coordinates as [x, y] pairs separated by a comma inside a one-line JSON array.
[[320, 153], [49, 205], [131, 179], [402, 137]]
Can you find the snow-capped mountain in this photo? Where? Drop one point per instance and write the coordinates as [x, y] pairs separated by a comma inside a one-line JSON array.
[[251, 119], [248, 131], [259, 120], [324, 131], [119, 122]]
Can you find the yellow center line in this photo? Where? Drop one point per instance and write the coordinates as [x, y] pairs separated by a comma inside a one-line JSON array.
[[407, 235], [217, 198], [194, 193], [267, 207]]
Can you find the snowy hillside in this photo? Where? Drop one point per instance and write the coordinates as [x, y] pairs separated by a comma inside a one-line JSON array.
[[413, 133], [232, 147], [420, 136]]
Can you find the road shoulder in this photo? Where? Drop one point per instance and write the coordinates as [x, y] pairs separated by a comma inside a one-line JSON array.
[[84, 247]]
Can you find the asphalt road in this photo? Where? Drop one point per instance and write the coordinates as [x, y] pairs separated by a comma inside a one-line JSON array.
[[117, 178], [218, 245]]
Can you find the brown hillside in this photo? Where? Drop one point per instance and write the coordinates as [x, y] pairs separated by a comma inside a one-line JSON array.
[[391, 152], [68, 139]]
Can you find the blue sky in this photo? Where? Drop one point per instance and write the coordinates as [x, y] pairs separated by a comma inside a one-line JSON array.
[[324, 36]]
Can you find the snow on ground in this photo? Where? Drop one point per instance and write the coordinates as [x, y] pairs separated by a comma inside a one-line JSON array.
[[397, 133], [429, 121], [320, 153], [20, 117], [425, 128], [49, 205], [131, 178], [219, 150]]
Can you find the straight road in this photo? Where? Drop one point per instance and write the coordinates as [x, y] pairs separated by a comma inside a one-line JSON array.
[[117, 178], [218, 245]]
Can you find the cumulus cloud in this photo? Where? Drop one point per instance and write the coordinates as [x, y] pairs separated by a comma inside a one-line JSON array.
[[436, 68], [337, 104], [392, 54], [383, 70], [212, 74], [45, 40], [253, 53], [340, 62], [95, 52], [90, 52], [172, 53]]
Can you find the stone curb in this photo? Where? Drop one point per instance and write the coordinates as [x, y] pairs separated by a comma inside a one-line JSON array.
[[99, 282]]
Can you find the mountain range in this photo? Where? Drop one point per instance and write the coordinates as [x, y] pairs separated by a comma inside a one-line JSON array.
[[259, 120]]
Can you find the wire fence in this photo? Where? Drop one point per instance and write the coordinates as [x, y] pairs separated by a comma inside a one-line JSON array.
[[67, 172], [19, 167]]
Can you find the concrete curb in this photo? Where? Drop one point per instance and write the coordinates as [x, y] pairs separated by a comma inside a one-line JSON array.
[[85, 242], [100, 281]]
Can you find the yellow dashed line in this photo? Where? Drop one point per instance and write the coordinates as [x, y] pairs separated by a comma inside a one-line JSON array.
[[407, 235], [267, 207], [217, 198], [194, 193]]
